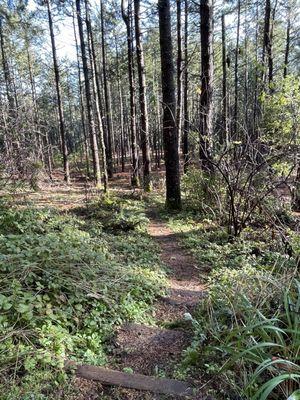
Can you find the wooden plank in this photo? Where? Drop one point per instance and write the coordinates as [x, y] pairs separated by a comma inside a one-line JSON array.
[[133, 381]]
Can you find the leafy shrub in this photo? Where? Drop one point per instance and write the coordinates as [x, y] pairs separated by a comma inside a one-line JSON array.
[[214, 248], [249, 321], [226, 286], [115, 214], [203, 192], [64, 286], [281, 115]]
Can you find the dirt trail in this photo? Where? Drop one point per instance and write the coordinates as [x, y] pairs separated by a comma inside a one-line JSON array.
[[155, 350], [185, 288], [149, 350]]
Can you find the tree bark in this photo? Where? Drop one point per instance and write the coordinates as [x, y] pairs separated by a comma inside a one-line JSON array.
[[144, 124], [224, 136], [135, 165], [96, 89], [186, 123], [206, 106], [7, 74], [121, 114], [173, 196], [267, 46], [88, 95], [179, 71], [59, 98], [236, 74], [287, 45], [109, 154], [82, 111]]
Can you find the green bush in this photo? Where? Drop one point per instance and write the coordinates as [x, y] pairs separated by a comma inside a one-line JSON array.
[[251, 304], [213, 247], [203, 192], [64, 286]]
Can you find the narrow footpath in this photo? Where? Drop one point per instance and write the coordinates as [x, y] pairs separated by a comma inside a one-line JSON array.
[[154, 351]]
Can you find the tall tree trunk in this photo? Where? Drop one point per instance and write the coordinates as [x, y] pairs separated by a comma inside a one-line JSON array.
[[108, 143], [144, 124], [157, 121], [62, 128], [236, 73], [288, 40], [35, 112], [7, 75], [246, 73], [96, 91], [267, 46], [179, 72], [186, 123], [206, 106], [82, 111], [127, 19], [120, 94], [173, 196], [224, 136], [256, 80], [88, 95]]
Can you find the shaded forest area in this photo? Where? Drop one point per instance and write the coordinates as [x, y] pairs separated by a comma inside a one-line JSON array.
[[149, 199]]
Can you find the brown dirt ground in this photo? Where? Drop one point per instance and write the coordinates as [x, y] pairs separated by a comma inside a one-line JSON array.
[[150, 350]]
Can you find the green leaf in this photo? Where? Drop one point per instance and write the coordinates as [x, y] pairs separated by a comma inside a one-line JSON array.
[[23, 308], [270, 385], [295, 395]]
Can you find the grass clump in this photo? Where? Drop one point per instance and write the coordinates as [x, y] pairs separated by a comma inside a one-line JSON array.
[[246, 342]]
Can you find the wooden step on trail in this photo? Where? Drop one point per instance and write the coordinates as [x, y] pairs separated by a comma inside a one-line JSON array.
[[132, 381]]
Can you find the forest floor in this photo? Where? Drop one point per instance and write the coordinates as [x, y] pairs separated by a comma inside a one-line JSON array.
[[150, 350], [136, 291]]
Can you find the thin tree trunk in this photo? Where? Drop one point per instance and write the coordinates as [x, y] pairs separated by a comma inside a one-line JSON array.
[[179, 72], [236, 73], [96, 88], [112, 128], [120, 94], [246, 74], [206, 110], [144, 124], [82, 111], [287, 45], [35, 119], [224, 135], [127, 20], [88, 95], [106, 97], [173, 196], [186, 123], [267, 47], [7, 74], [255, 102], [59, 98], [270, 51]]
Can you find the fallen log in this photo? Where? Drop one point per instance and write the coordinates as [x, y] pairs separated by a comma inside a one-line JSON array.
[[132, 381]]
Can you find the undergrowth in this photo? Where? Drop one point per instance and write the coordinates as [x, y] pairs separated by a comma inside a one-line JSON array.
[[247, 335], [66, 282]]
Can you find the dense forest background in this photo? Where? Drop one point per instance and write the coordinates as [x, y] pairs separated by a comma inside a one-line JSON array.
[[99, 104], [150, 197]]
